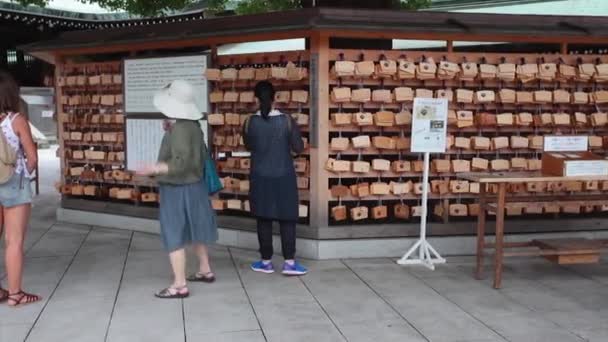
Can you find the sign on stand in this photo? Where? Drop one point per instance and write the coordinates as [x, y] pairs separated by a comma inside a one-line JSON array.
[[429, 132]]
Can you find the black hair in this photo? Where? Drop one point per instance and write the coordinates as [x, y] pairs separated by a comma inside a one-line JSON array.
[[264, 91], [9, 94]]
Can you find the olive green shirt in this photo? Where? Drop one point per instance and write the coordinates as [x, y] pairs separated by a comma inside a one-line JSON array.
[[183, 150]]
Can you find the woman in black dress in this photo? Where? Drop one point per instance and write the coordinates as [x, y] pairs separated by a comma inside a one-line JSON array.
[[271, 137]]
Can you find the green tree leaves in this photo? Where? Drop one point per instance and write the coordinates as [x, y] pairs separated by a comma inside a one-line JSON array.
[[150, 8]]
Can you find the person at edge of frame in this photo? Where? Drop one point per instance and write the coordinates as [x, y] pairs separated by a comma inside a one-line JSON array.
[[15, 193]]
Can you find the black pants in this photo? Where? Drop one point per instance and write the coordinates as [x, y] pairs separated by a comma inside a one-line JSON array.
[[288, 238]]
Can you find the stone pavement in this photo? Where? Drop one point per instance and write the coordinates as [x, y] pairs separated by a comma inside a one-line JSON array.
[[98, 285]]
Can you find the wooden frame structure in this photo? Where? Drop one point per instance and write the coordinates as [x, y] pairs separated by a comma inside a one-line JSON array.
[[566, 251], [321, 27]]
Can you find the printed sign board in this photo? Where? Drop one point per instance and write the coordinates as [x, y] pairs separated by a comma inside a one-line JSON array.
[[429, 125]]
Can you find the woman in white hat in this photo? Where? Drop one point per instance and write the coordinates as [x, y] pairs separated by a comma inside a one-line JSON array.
[[186, 216]]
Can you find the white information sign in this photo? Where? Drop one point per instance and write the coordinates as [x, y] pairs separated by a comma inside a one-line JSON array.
[[429, 125], [566, 143], [48, 113], [144, 137], [582, 168], [144, 77]]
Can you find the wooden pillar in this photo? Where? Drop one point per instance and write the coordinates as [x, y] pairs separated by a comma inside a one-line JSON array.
[[319, 177], [564, 48], [3, 58], [450, 46], [20, 72], [59, 71]]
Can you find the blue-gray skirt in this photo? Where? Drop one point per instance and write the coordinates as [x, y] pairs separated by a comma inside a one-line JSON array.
[[186, 215]]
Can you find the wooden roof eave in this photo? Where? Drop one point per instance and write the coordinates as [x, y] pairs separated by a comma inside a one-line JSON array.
[[387, 33], [46, 56], [344, 32], [335, 23]]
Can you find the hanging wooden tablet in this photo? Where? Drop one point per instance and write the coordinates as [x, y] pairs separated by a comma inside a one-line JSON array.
[[401, 211], [403, 94], [384, 119], [458, 210], [361, 167], [379, 189], [379, 212], [500, 165], [338, 213], [342, 119], [362, 141], [359, 213], [403, 118], [399, 188], [338, 191], [406, 69], [401, 166], [361, 95], [381, 165], [363, 119], [363, 190], [460, 165]]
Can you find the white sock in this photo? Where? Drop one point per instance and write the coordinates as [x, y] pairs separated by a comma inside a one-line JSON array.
[[266, 262], [290, 262]]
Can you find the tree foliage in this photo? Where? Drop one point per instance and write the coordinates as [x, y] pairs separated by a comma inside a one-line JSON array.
[[414, 4], [151, 8]]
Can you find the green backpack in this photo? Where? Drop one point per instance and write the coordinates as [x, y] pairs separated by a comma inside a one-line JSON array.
[[8, 160]]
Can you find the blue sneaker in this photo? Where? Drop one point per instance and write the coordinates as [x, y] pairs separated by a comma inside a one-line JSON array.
[[260, 266], [294, 270]]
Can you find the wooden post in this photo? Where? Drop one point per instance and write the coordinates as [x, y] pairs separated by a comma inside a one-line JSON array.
[[481, 230], [450, 46], [59, 68], [500, 229], [319, 178], [564, 48]]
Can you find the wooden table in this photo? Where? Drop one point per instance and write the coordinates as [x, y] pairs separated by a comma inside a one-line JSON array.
[[548, 248]]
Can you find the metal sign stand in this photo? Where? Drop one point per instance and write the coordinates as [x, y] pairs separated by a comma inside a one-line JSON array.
[[427, 255], [429, 130]]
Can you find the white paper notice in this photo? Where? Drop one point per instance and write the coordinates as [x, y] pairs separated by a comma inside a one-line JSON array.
[[578, 168], [144, 137], [48, 113], [144, 77], [566, 143], [429, 125]]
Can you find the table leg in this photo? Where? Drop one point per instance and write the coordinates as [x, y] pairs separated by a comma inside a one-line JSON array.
[[481, 230], [500, 226]]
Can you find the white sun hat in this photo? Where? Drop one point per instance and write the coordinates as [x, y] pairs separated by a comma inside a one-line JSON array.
[[177, 101]]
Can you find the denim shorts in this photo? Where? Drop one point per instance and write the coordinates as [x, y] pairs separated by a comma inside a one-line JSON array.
[[16, 191]]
